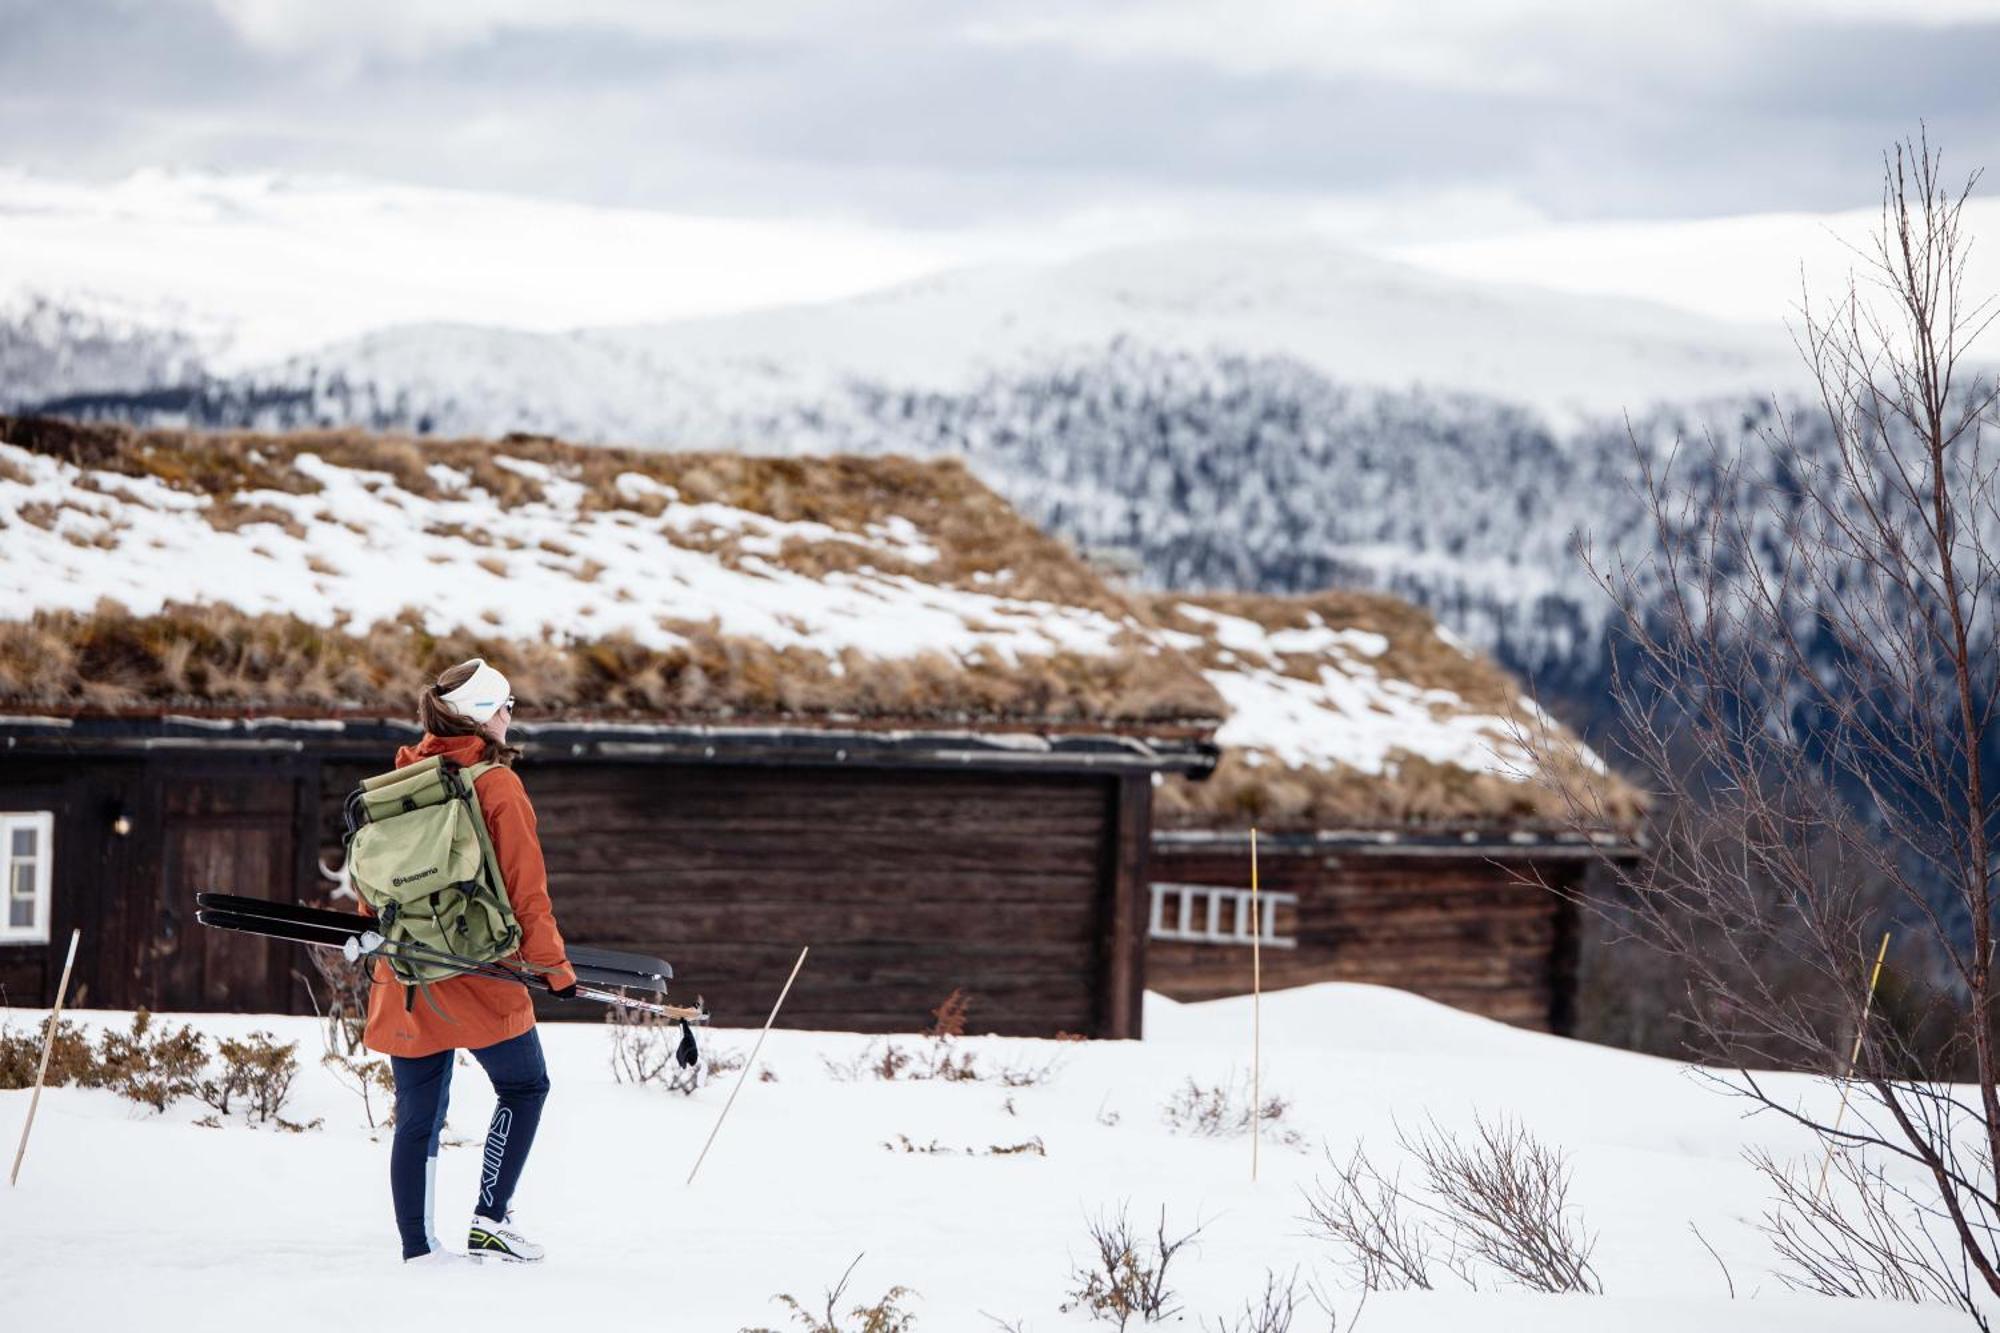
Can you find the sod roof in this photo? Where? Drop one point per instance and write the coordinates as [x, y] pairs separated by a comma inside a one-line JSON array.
[[1356, 710], [330, 573]]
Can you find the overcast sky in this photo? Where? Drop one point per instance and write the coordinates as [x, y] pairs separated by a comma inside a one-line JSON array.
[[1435, 117]]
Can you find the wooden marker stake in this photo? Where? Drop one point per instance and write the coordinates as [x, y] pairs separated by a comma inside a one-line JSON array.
[[1256, 1012], [48, 1044], [1853, 1058], [749, 1064]]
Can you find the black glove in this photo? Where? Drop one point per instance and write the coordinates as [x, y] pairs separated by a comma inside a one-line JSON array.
[[564, 992], [686, 1054]]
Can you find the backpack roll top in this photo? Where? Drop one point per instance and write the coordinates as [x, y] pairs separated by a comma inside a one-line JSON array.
[[420, 785], [419, 854]]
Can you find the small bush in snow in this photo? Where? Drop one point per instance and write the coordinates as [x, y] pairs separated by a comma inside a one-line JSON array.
[[938, 1059], [152, 1068], [343, 1022], [642, 1051], [1126, 1275], [70, 1058], [1222, 1110], [886, 1315], [1492, 1209], [1844, 1228], [1033, 1147], [258, 1072], [948, 1019], [1270, 1312]]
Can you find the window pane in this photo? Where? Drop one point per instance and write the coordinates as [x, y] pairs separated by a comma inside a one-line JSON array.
[[21, 912], [24, 840], [22, 880]]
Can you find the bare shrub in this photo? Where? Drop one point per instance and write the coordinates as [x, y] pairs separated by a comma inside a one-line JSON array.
[[1222, 1110], [1494, 1208], [1375, 1226], [343, 1021], [1271, 1311], [344, 1011], [885, 1315], [1126, 1274], [1033, 1147], [644, 1050], [1506, 1196], [1863, 1236], [365, 1077], [937, 1060]]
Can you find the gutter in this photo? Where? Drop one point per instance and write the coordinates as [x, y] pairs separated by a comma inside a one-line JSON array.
[[633, 743], [1488, 842]]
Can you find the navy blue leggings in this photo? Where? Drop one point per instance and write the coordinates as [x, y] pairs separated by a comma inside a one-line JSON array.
[[423, 1091]]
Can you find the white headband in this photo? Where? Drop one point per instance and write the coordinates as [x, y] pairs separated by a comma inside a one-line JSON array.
[[481, 696]]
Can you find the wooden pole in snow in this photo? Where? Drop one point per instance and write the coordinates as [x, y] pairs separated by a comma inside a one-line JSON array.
[[48, 1044], [1256, 1012], [1853, 1058], [749, 1064]]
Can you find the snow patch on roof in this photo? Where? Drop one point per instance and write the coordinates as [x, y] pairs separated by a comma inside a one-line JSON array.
[[361, 549], [1351, 716]]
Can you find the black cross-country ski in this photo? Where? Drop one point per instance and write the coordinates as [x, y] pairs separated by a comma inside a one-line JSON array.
[[351, 933], [319, 925]]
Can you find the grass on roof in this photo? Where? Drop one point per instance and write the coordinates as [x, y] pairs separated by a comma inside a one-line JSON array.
[[1564, 790], [213, 658]]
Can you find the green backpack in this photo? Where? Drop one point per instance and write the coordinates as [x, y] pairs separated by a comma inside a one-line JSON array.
[[419, 854]]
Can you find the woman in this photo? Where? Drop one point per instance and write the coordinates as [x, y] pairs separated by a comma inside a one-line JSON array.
[[465, 717]]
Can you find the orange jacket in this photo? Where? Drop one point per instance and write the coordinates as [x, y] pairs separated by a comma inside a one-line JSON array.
[[477, 1011]]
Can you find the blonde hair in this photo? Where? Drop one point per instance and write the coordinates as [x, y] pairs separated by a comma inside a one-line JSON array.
[[439, 720]]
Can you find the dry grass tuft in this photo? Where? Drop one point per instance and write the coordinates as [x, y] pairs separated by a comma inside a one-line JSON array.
[[233, 515]]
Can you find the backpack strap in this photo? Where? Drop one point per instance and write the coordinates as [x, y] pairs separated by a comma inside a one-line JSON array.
[[470, 777]]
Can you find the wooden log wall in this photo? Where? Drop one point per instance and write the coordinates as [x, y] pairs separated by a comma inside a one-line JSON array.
[[1463, 930], [238, 823], [1025, 890]]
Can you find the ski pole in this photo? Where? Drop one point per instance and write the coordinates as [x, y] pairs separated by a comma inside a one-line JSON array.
[[48, 1044], [748, 1064]]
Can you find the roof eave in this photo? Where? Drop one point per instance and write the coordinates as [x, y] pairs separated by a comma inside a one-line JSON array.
[[633, 743], [1489, 841]]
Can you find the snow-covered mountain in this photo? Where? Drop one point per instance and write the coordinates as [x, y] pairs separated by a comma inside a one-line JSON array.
[[1357, 319], [490, 312]]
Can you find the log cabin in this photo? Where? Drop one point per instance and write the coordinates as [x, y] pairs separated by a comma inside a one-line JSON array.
[[1421, 823], [765, 702]]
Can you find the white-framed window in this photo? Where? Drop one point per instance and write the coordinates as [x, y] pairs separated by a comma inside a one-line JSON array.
[[1211, 914], [27, 849]]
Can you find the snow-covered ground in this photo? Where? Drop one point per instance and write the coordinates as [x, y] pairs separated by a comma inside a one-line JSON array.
[[127, 1219]]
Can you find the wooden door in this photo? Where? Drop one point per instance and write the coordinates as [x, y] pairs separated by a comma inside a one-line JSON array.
[[225, 833]]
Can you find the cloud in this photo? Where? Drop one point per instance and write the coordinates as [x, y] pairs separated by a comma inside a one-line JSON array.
[[944, 113]]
